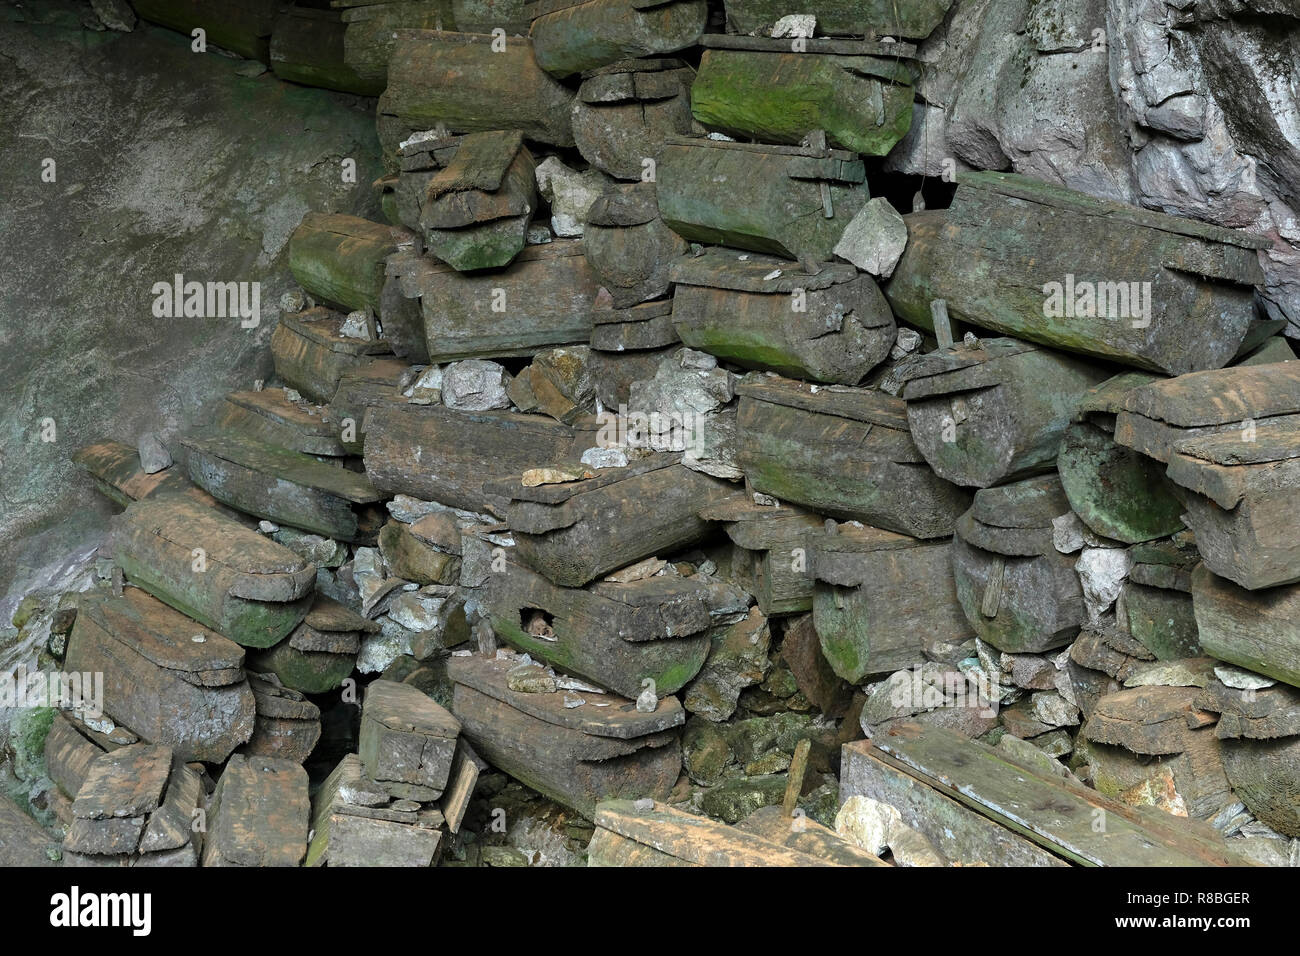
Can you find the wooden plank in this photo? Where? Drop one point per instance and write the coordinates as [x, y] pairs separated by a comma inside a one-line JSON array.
[[1256, 630], [407, 739], [269, 416], [259, 814], [115, 469]]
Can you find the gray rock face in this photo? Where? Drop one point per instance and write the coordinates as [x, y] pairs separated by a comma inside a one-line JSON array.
[[475, 385], [151, 177]]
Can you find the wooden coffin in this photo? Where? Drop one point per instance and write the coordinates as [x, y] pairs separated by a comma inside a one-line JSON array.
[[993, 413], [645, 328], [842, 18], [617, 635], [789, 201], [268, 415], [576, 531], [762, 313], [623, 111], [311, 354], [881, 599], [544, 298], [136, 808], [1157, 600], [259, 814], [353, 824], [160, 681], [307, 46], [627, 245], [240, 26], [251, 589], [374, 382], [1258, 714], [287, 723], [757, 88], [844, 452], [407, 741], [340, 259], [770, 559], [1055, 813], [570, 36], [478, 88], [114, 467], [476, 210], [1258, 630], [426, 551], [627, 835], [602, 749], [280, 485], [440, 454], [69, 752], [1058, 267], [1018, 592], [419, 159], [1116, 491], [322, 650]]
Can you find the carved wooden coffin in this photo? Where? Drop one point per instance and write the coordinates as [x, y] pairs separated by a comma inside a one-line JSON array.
[[167, 678], [220, 573], [1258, 630], [623, 111], [764, 313], [354, 824], [628, 246], [842, 18], [240, 26], [471, 448], [789, 201], [287, 723], [322, 650], [986, 415], [844, 452], [770, 559], [1157, 600], [758, 88], [307, 46], [471, 77], [1018, 592], [1089, 275], [259, 814], [426, 551], [407, 741], [340, 259], [269, 416], [280, 485], [570, 36], [880, 600], [476, 210], [617, 635], [311, 353], [602, 748], [576, 531]]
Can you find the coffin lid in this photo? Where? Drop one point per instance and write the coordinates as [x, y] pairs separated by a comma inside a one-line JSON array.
[[279, 702], [404, 708], [641, 312], [1226, 469], [620, 719], [321, 325], [273, 404], [806, 162], [1220, 396], [958, 369], [541, 8], [617, 86], [162, 635], [327, 614], [719, 268], [843, 401], [1011, 542], [1029, 503], [1108, 397], [281, 463], [480, 163], [836, 558]]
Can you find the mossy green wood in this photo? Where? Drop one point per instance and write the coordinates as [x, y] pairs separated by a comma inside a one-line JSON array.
[[371, 33], [311, 672], [850, 18], [863, 103], [340, 259], [1162, 620], [307, 46], [599, 32], [1115, 491], [240, 26], [992, 255], [483, 227]]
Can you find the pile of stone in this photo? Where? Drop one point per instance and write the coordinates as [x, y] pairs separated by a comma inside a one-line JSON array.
[[649, 461]]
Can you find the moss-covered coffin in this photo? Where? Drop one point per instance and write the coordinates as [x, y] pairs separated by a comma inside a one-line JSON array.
[[623, 112], [311, 353], [789, 201], [600, 749], [217, 571], [576, 531], [770, 559], [1257, 630], [307, 46], [460, 81], [544, 298], [842, 18], [880, 599], [240, 26], [766, 313], [1116, 491], [1017, 591], [768, 93], [1088, 275], [844, 452], [340, 259], [441, 454], [628, 246], [268, 415], [159, 681], [614, 634], [280, 485], [570, 36], [993, 413], [476, 210], [321, 651], [1157, 600]]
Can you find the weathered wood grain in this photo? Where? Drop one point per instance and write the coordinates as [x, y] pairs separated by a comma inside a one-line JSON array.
[[340, 259], [259, 814], [623, 111], [1257, 630], [628, 246], [312, 355], [571, 37]]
